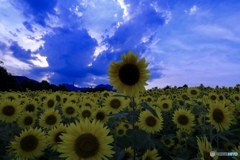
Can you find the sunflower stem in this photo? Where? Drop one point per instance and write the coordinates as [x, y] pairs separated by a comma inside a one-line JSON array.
[[133, 123]]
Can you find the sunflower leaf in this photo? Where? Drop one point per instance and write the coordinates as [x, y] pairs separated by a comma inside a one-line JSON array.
[[121, 155], [223, 137], [149, 108], [118, 115]]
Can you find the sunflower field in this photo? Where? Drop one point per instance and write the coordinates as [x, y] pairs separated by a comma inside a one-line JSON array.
[[133, 123]]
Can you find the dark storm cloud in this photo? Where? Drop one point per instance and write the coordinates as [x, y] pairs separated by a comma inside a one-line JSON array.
[[19, 52], [38, 9], [68, 52]]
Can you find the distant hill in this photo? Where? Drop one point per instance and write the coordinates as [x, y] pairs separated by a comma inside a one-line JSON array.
[[70, 87], [98, 87], [20, 79]]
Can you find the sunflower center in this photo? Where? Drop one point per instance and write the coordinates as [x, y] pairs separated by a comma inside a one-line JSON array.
[[28, 120], [51, 119], [182, 119], [151, 121], [183, 135], [193, 92], [8, 110], [213, 97], [129, 74], [105, 95], [148, 158], [100, 116], [50, 103], [120, 131], [218, 115], [165, 105], [30, 108], [127, 155], [88, 105], [29, 143], [185, 97], [70, 110], [115, 103], [126, 126], [86, 146], [167, 141], [86, 113], [58, 98], [220, 97], [57, 137], [207, 156]]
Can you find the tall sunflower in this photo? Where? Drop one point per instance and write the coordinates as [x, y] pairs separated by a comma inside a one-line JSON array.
[[130, 75], [150, 123], [9, 111], [151, 155], [183, 118], [86, 140], [30, 144], [205, 148], [220, 116]]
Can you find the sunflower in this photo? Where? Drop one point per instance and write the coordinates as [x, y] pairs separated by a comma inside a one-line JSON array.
[[229, 146], [69, 109], [213, 96], [130, 75], [9, 111], [150, 123], [182, 134], [128, 153], [10, 96], [183, 118], [50, 102], [168, 142], [121, 130], [220, 116], [49, 119], [29, 144], [54, 136], [236, 149], [86, 112], [115, 104], [86, 140], [30, 106], [193, 92], [100, 114], [26, 120], [151, 155], [205, 148], [87, 103], [166, 104]]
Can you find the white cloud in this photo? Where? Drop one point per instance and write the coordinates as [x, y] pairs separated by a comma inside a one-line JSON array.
[[39, 61], [13, 64], [47, 76], [125, 8], [193, 10]]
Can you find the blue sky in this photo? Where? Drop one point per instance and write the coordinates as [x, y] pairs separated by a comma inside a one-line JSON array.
[[185, 42]]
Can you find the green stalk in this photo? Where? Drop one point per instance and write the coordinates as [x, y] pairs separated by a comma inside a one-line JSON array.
[[133, 124]]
